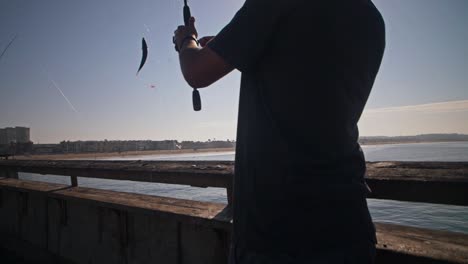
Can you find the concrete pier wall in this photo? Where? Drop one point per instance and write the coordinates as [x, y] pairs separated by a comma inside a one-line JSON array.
[[44, 225], [55, 223]]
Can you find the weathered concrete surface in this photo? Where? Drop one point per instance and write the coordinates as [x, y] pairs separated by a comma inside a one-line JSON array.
[[63, 224], [423, 244], [22, 208], [193, 212], [80, 225], [431, 182]]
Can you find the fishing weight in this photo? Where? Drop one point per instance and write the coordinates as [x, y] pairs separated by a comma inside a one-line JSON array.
[[196, 99]]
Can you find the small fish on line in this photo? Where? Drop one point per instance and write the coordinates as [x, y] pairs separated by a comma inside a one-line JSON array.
[[144, 48]]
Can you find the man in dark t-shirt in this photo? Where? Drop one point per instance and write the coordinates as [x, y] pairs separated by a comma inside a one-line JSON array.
[[307, 70]]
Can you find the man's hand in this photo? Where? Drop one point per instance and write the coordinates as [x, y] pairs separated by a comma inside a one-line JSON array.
[[182, 32], [200, 65]]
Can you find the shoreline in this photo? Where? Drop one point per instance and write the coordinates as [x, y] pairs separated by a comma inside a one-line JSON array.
[[92, 156], [408, 142], [126, 154]]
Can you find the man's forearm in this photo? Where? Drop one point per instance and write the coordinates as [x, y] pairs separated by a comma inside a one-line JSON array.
[[201, 66], [189, 57]]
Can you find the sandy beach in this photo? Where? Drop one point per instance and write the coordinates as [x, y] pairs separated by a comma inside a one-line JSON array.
[[117, 155], [127, 154]]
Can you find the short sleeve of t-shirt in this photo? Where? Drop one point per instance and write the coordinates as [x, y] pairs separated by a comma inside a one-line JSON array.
[[243, 41]]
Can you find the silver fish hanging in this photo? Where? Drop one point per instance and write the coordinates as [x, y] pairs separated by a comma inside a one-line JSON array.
[[144, 49]]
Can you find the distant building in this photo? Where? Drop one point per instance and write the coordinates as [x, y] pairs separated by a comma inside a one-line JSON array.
[[3, 137], [22, 134], [46, 148], [14, 135], [10, 135], [116, 145]]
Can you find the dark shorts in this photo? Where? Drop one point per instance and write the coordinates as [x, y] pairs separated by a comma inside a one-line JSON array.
[[363, 254]]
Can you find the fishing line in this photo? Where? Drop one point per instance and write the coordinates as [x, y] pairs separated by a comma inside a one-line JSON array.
[[52, 81], [9, 44], [147, 28]]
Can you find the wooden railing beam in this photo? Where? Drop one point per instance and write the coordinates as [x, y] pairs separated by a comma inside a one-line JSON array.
[[430, 182]]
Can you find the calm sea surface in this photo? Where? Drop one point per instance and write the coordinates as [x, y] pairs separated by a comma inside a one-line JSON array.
[[443, 217]]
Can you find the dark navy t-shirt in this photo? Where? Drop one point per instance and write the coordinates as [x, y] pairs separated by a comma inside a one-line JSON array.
[[307, 70]]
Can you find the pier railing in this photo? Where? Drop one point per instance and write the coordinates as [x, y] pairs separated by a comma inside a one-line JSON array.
[[429, 182], [197, 174]]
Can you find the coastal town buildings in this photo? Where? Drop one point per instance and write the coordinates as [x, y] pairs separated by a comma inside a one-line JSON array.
[[10, 135], [116, 145], [103, 146], [137, 145]]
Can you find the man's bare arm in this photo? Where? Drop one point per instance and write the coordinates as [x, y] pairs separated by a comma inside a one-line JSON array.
[[200, 66]]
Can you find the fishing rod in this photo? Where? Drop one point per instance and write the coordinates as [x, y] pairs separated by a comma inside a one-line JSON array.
[[196, 99]]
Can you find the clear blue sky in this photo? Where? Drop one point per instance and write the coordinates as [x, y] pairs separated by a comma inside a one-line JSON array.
[[91, 50]]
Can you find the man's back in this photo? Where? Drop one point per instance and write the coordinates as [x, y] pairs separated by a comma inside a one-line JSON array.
[[307, 71], [317, 72]]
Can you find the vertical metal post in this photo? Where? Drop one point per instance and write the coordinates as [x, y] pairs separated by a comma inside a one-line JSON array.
[[74, 181], [230, 195], [13, 174]]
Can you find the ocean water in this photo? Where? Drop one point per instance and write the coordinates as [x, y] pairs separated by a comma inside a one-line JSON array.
[[434, 216]]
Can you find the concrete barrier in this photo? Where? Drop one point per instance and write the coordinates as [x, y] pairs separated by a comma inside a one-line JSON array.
[[54, 223], [51, 222]]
